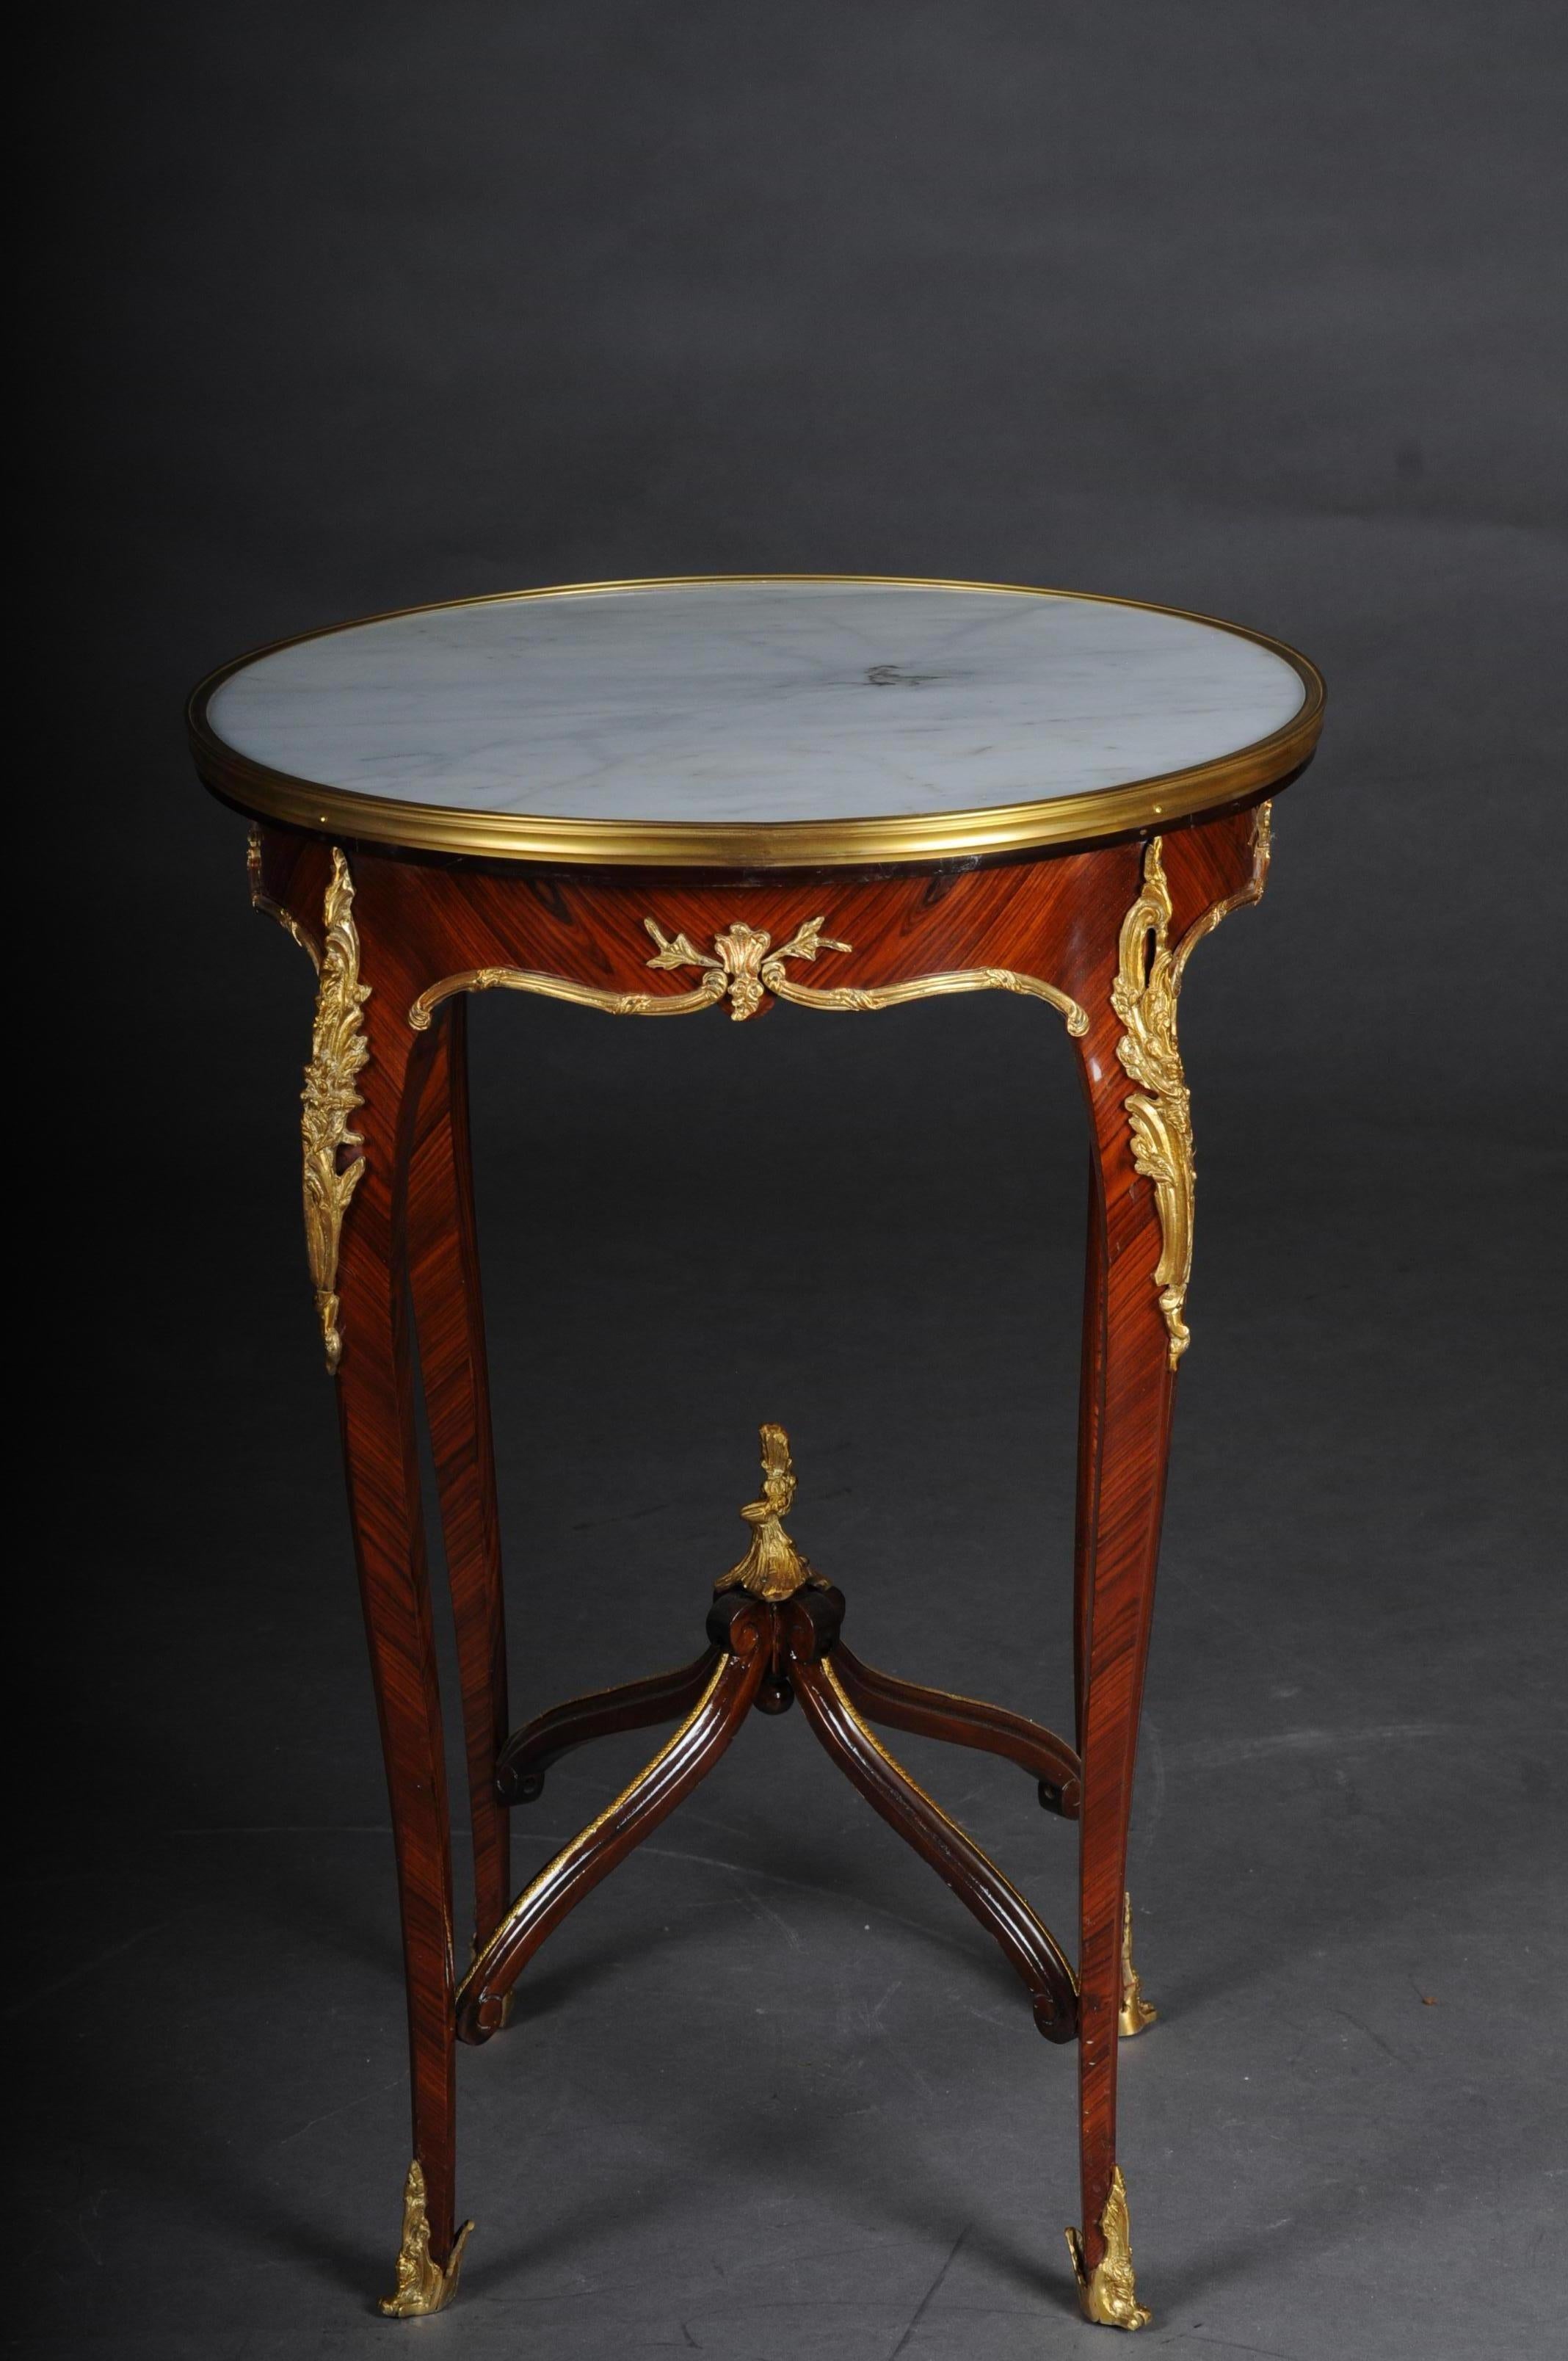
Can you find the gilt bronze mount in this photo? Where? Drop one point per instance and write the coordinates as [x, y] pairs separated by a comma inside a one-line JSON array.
[[422, 2285]]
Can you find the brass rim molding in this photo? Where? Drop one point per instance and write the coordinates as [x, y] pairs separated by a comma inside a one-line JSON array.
[[338, 1053], [1144, 995], [743, 969], [1109, 2294], [998, 829]]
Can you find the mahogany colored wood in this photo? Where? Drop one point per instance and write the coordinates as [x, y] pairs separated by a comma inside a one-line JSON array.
[[652, 1795], [1047, 917], [375, 1393], [979, 1885], [878, 1697], [1090, 1374], [1055, 915], [444, 1273], [793, 1643], [636, 1705], [1123, 1467], [964, 1721]]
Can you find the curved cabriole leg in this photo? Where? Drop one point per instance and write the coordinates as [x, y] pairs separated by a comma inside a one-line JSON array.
[[1090, 1382], [1136, 2013], [530, 1751], [367, 1066], [957, 1861], [444, 1270], [744, 1625], [1133, 1333], [963, 1721]]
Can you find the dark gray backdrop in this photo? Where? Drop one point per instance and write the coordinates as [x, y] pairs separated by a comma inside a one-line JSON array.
[[1247, 308]]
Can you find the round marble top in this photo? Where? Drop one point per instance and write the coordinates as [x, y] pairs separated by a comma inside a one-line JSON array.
[[756, 719]]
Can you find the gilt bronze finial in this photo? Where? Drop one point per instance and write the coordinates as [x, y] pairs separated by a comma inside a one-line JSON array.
[[773, 1568]]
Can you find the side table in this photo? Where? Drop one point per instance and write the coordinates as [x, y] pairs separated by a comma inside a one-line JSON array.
[[666, 799]]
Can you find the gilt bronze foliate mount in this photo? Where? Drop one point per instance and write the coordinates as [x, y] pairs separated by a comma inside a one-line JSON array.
[[422, 2284], [339, 1053], [744, 970], [773, 1568], [1108, 2294]]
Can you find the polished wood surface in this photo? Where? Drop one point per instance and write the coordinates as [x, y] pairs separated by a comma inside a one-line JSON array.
[[376, 1408], [797, 1644], [443, 1273], [875, 1696], [1123, 1465], [705, 1734], [964, 1721], [979, 1885], [528, 1755], [1056, 917]]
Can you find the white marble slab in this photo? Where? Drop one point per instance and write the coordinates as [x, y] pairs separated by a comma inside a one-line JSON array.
[[755, 701]]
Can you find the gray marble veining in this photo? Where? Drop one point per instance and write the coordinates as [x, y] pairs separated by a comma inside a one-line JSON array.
[[755, 701]]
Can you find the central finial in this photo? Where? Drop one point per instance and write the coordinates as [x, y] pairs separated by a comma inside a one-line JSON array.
[[773, 1568]]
